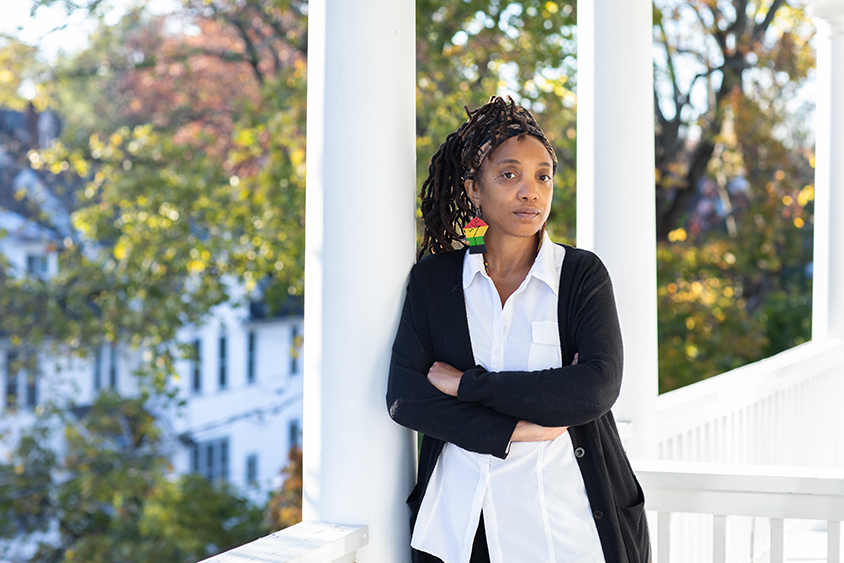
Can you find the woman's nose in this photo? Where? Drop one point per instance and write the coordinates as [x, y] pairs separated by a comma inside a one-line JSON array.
[[528, 190]]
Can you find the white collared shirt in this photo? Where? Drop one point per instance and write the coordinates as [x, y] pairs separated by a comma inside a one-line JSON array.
[[534, 502]]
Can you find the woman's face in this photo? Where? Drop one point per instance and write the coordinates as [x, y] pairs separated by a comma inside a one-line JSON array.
[[514, 187]]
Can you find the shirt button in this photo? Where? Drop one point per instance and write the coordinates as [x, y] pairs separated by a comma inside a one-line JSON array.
[[579, 452], [598, 514]]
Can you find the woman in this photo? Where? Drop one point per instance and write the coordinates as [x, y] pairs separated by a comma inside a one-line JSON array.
[[508, 361]]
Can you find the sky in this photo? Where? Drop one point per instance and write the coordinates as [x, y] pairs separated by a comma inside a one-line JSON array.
[[39, 29], [52, 29]]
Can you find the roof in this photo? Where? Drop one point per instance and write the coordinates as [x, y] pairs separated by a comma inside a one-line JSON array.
[[21, 228]]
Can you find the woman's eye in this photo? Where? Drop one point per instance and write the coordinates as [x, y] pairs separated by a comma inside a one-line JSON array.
[[509, 175], [545, 177]]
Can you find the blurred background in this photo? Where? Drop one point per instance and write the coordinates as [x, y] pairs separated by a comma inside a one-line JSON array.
[[152, 163]]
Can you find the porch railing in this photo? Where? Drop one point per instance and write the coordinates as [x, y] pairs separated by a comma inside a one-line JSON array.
[[724, 492], [784, 410], [306, 542]]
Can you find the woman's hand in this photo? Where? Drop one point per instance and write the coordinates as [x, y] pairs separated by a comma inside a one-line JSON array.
[[445, 378], [529, 432]]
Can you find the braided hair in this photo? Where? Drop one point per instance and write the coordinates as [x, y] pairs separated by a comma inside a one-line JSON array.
[[445, 205]]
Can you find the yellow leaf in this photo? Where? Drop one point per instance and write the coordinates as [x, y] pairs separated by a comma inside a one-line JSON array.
[[691, 351], [806, 195], [120, 250], [677, 235]]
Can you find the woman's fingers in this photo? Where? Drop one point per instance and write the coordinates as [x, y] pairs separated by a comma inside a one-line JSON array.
[[555, 432], [529, 432], [445, 377]]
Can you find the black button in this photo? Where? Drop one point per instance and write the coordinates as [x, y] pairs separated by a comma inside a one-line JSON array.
[[579, 452], [598, 514]]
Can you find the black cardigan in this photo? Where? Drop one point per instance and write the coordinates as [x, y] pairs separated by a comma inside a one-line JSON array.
[[482, 417]]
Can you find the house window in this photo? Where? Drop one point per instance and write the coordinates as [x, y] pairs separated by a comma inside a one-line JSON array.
[[11, 381], [197, 366], [295, 346], [31, 388], [98, 368], [211, 458], [295, 434], [223, 374], [112, 367], [36, 264], [224, 461], [252, 469], [194, 459], [250, 357], [210, 461]]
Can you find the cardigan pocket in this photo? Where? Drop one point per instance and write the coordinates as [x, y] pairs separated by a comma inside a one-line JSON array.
[[634, 529], [544, 346]]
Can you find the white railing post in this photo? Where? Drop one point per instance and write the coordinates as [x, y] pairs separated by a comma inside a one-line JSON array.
[[777, 540], [615, 187], [828, 265], [833, 542], [360, 241], [719, 539], [663, 530]]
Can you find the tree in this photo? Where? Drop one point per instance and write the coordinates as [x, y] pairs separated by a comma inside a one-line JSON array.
[[741, 52], [181, 175], [172, 214], [285, 506], [18, 63], [734, 184], [110, 492]]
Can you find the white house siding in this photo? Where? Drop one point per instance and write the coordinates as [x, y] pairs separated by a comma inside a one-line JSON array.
[[253, 418]]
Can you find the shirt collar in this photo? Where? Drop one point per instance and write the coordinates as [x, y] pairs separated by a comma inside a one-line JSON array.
[[544, 267]]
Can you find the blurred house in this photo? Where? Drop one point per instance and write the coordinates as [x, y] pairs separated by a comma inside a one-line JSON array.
[[242, 388]]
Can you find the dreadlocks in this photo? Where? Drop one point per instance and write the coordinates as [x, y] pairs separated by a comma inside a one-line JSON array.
[[445, 205]]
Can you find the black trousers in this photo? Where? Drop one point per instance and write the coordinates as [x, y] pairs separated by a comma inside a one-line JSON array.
[[480, 551]]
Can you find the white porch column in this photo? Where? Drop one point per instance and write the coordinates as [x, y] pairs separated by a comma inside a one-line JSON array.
[[828, 273], [360, 242], [616, 216]]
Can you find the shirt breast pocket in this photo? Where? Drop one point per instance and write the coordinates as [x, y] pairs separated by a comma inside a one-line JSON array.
[[545, 346]]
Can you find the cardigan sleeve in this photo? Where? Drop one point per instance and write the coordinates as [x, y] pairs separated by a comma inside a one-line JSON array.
[[414, 402], [569, 395]]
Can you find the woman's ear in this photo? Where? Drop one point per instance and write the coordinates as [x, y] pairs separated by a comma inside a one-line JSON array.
[[472, 191]]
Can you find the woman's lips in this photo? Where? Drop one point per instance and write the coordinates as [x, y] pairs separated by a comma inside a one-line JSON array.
[[526, 212]]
